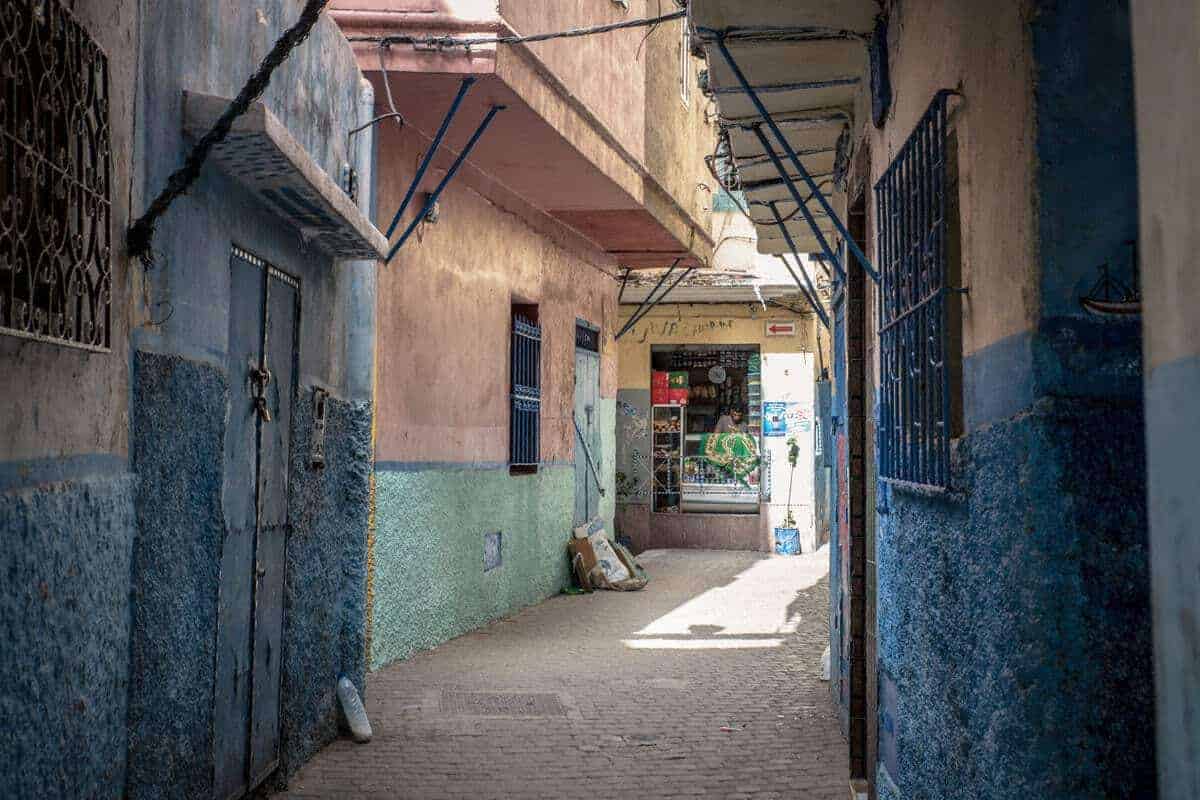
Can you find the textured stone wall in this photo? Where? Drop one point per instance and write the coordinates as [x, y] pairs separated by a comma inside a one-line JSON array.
[[1014, 644], [178, 452], [325, 591], [64, 624], [1014, 612], [429, 582]]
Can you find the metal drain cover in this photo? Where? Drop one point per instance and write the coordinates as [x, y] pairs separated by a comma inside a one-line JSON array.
[[500, 704]]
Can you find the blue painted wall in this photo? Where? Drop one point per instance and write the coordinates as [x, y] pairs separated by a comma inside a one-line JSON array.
[[1014, 613], [67, 510], [1173, 437], [180, 399], [64, 624]]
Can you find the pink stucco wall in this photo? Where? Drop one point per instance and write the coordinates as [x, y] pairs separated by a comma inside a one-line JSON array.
[[444, 322]]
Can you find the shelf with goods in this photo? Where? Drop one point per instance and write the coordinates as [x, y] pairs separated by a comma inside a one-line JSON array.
[[754, 392], [667, 431]]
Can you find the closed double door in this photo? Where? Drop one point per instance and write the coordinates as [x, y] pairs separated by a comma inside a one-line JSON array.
[[264, 311]]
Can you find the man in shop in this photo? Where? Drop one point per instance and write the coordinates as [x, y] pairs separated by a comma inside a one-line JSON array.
[[731, 421]]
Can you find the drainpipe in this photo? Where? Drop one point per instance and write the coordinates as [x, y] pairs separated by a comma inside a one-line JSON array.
[[359, 280], [360, 276]]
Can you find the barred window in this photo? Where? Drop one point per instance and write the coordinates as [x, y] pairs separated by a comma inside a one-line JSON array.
[[55, 182], [919, 305], [524, 439]]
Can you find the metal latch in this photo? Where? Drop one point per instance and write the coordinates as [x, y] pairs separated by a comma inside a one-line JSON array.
[[261, 378]]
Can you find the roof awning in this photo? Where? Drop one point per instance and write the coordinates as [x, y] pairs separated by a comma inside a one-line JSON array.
[[261, 155], [802, 65]]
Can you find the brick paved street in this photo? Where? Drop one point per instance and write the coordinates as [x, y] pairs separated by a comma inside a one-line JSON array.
[[615, 696]]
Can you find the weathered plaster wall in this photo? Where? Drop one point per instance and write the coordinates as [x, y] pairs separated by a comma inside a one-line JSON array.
[[678, 135], [429, 583], [984, 50], [1029, 580], [604, 72], [442, 478], [709, 323], [1166, 59], [178, 449], [64, 621], [1014, 644], [444, 326], [66, 514], [325, 593]]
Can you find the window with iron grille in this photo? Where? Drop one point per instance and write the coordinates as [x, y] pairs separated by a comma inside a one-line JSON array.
[[524, 439], [55, 181], [919, 301]]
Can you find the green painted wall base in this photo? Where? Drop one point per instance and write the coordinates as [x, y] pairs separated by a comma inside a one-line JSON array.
[[429, 583]]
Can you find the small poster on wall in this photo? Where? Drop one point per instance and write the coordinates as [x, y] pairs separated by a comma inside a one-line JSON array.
[[774, 419], [799, 418]]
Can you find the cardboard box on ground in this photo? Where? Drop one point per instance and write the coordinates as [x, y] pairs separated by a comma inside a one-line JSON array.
[[599, 563]]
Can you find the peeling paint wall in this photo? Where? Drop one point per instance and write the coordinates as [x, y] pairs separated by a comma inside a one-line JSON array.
[[67, 513], [181, 400], [443, 401], [430, 584], [1029, 579]]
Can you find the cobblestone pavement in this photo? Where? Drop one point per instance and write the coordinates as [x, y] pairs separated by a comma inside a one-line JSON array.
[[705, 684]]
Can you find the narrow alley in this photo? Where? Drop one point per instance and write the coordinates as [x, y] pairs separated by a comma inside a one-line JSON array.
[[707, 683], [516, 399]]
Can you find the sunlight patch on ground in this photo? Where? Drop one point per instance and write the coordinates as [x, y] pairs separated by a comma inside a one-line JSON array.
[[748, 612], [700, 644]]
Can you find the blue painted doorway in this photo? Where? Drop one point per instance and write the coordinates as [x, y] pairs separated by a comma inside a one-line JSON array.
[[263, 325]]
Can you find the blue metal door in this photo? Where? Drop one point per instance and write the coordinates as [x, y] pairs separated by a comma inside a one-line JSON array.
[[264, 308], [587, 434]]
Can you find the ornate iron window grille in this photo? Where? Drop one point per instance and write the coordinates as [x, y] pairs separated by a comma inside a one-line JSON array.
[[914, 406], [524, 449], [55, 178]]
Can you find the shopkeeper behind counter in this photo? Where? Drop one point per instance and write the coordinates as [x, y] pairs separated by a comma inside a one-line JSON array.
[[730, 421]]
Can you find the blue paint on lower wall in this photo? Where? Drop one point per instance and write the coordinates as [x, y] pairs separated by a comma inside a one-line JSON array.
[[179, 424], [325, 594], [1014, 617], [64, 636], [1173, 438]]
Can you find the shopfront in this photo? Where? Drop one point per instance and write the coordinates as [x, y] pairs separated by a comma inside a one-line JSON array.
[[698, 465], [707, 421]]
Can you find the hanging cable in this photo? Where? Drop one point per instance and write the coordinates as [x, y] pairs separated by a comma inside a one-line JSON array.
[[456, 41], [140, 235]]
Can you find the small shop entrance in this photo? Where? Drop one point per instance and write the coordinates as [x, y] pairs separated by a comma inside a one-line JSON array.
[[706, 404]]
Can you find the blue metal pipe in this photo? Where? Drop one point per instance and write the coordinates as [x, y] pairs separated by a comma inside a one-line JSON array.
[[463, 88], [458, 162], [787, 148], [642, 305], [808, 217], [810, 291], [652, 302]]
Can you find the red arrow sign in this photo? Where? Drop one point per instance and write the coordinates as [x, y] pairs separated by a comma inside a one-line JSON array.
[[780, 328]]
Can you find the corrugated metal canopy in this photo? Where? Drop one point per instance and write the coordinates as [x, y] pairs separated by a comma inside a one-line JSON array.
[[806, 60]]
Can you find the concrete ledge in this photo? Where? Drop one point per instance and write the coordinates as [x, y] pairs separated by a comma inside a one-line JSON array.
[[262, 155]]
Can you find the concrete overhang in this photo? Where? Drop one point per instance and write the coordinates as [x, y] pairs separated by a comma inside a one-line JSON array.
[[806, 60], [546, 148], [261, 155]]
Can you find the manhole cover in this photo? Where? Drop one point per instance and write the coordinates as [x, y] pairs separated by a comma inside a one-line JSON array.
[[497, 704]]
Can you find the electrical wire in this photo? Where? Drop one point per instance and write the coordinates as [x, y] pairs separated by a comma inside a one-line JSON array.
[[458, 41]]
